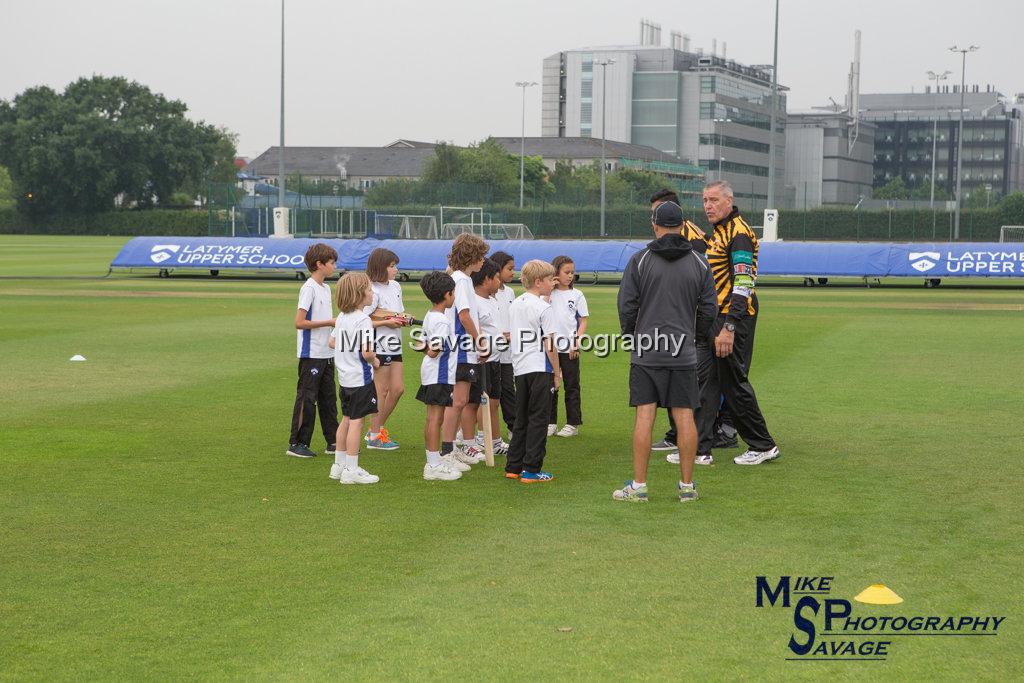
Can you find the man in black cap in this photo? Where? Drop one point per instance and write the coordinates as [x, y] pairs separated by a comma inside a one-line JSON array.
[[666, 302]]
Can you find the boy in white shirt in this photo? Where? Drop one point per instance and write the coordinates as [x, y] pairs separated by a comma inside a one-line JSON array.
[[353, 344], [466, 257], [437, 374], [503, 299], [315, 389], [486, 283], [535, 363], [571, 313]]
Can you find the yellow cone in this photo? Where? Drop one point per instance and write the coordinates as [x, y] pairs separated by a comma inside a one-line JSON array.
[[878, 594]]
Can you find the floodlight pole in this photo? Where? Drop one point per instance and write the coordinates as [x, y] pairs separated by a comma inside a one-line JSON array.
[[960, 137], [604, 89], [280, 152], [933, 76], [522, 142], [774, 106]]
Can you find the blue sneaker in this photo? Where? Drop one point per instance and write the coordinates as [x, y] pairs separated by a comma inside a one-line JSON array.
[[300, 450], [535, 477], [383, 442], [687, 492], [631, 492]]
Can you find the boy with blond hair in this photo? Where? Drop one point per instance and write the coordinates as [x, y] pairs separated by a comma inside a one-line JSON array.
[[535, 364], [353, 344]]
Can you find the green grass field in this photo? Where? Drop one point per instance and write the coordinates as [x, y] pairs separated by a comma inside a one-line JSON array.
[[152, 528]]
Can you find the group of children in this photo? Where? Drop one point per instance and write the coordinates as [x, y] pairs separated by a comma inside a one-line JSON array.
[[477, 338]]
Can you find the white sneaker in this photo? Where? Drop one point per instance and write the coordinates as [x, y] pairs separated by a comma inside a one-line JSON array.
[[568, 430], [500, 447], [479, 436], [454, 463], [458, 434], [673, 457], [473, 454], [704, 460], [357, 475], [336, 471], [440, 472], [757, 457], [552, 429]]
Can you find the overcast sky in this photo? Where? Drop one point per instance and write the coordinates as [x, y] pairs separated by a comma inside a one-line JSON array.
[[366, 73]]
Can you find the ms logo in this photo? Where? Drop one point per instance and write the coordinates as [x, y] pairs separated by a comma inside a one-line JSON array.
[[161, 252], [923, 261]]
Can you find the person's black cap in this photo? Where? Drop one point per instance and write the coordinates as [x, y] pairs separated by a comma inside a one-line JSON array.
[[667, 215]]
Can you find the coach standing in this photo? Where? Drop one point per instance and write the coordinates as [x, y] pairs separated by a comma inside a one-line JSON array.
[[666, 301], [732, 255]]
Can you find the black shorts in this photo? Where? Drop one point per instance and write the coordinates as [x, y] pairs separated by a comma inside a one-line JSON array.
[[667, 387], [435, 394], [358, 402], [389, 358], [468, 372], [494, 379]]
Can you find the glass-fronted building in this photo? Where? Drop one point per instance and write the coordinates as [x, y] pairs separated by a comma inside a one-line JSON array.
[[907, 124], [704, 109]]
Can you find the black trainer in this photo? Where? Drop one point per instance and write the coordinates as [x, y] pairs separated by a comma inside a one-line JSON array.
[[331, 448], [724, 440], [298, 450]]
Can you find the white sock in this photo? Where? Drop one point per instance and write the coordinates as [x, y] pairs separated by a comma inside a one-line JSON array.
[[684, 484], [339, 458], [638, 484], [374, 435], [433, 458], [352, 461]]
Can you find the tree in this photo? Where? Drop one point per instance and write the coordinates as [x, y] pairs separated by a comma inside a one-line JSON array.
[[104, 138], [894, 189], [6, 189]]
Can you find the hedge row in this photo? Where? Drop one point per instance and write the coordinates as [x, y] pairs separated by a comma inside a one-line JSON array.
[[185, 223], [978, 225]]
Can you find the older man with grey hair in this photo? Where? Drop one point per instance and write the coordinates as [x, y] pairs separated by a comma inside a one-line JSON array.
[[732, 256]]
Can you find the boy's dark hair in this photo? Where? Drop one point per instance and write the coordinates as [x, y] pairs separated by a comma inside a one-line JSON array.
[[665, 195], [488, 270], [501, 258], [467, 249], [436, 284], [319, 252], [378, 262]]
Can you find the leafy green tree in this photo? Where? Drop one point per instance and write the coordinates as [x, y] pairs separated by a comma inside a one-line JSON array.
[[894, 189], [103, 139], [6, 189]]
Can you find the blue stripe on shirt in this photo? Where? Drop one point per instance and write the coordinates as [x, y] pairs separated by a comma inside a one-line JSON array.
[[306, 335], [460, 332]]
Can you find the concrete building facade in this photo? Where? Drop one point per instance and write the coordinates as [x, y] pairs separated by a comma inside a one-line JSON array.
[[705, 109], [822, 167]]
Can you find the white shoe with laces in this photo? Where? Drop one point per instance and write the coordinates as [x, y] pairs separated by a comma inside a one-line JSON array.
[[474, 454], [757, 457], [357, 475], [673, 458], [552, 429], [568, 430], [454, 463], [440, 472], [336, 471], [699, 460]]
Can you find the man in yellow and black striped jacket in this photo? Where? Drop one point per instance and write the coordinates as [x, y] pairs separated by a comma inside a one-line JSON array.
[[732, 255]]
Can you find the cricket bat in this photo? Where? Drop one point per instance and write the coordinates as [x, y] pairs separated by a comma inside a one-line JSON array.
[[485, 418]]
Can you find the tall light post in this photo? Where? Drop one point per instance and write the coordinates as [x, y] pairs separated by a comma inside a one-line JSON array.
[[932, 76], [280, 155], [604, 89], [960, 136], [774, 106], [522, 142]]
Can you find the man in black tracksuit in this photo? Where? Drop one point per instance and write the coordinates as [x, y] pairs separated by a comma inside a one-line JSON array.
[[666, 301], [732, 256]]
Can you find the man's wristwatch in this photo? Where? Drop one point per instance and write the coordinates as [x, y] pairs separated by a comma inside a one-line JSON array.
[[729, 327]]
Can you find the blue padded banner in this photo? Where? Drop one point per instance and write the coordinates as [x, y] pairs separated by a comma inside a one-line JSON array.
[[816, 259]]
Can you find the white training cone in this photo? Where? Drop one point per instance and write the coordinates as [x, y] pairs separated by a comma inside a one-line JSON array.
[[77, 357]]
